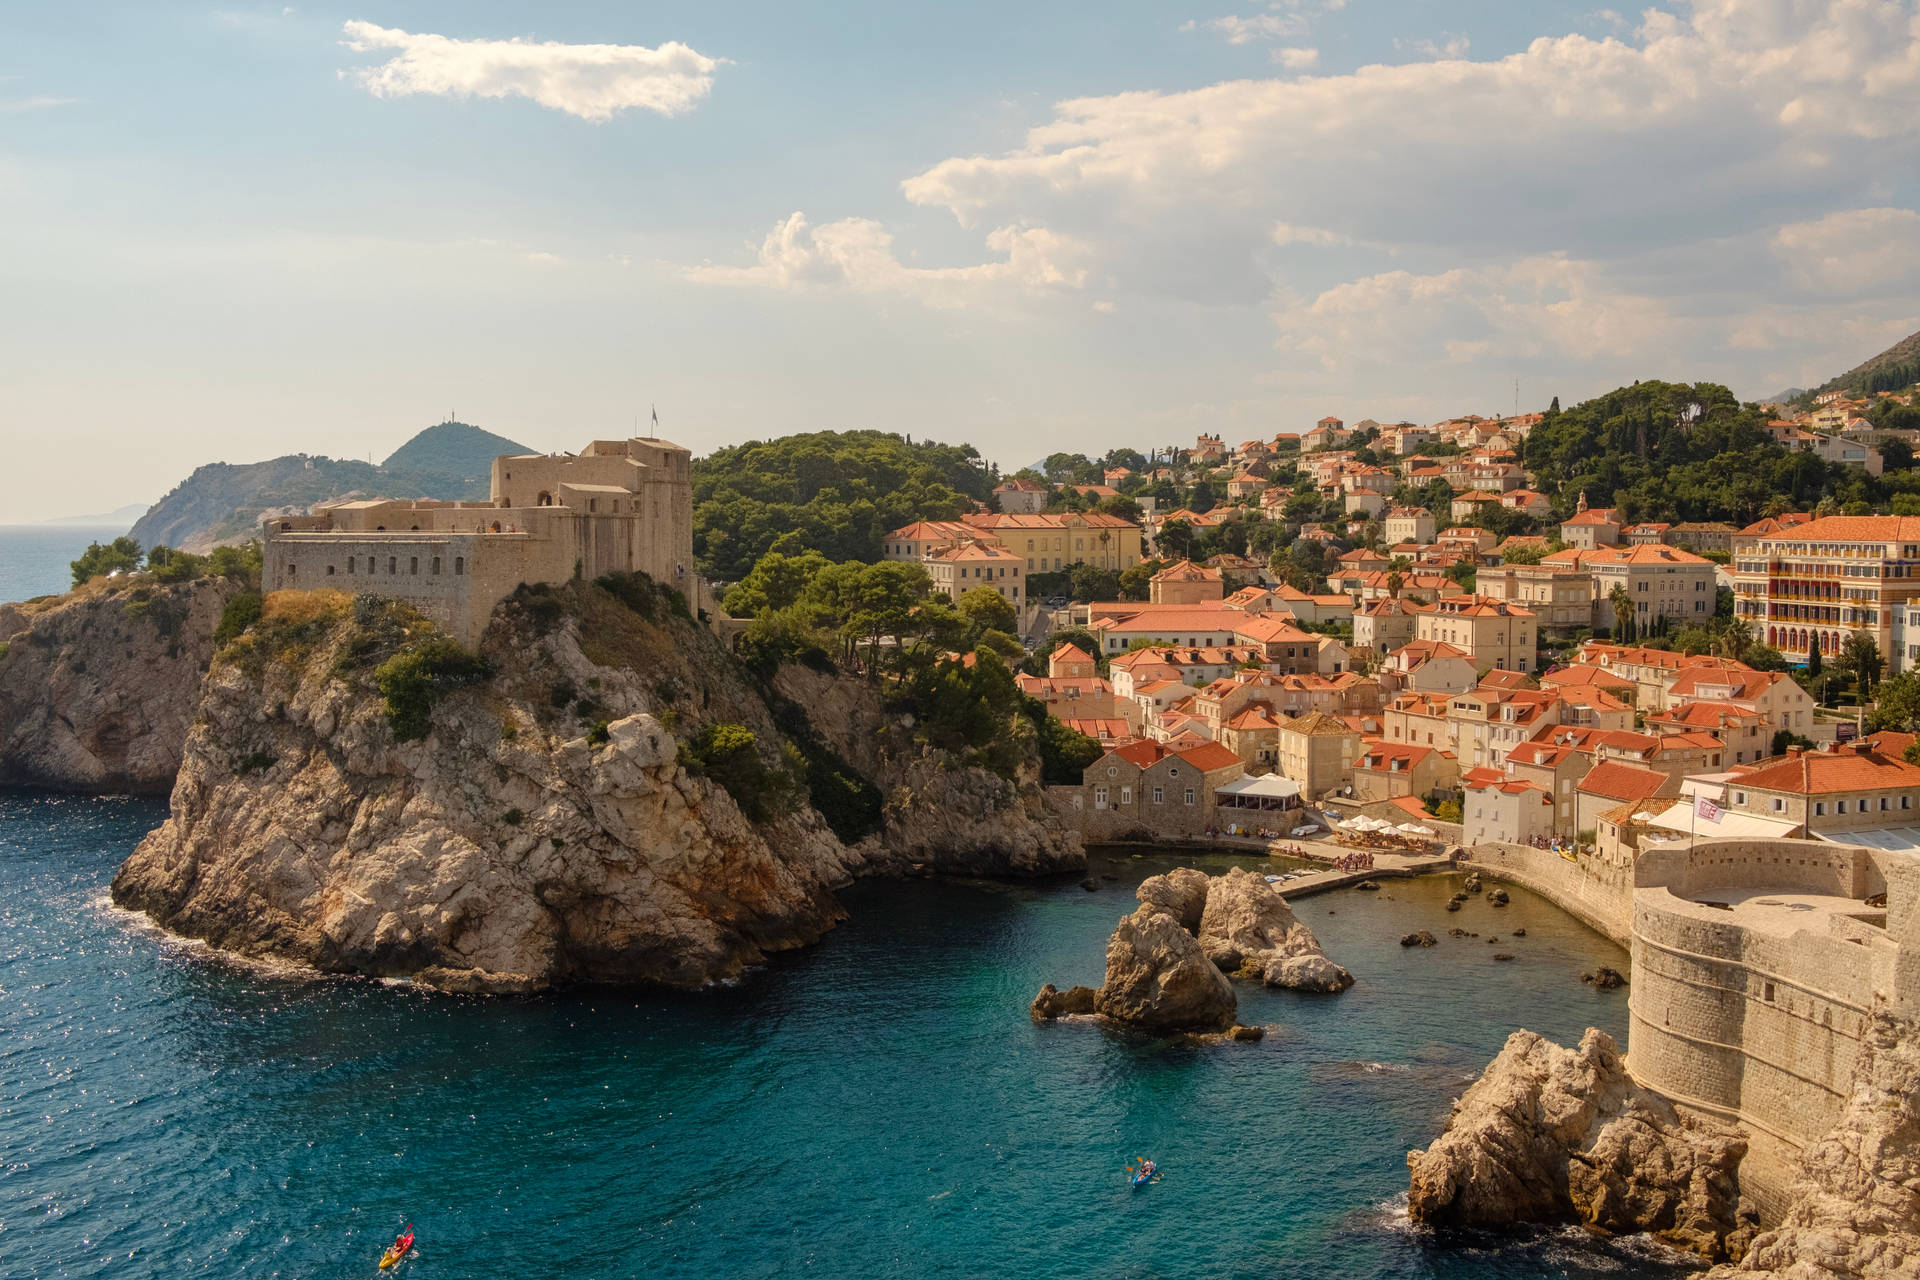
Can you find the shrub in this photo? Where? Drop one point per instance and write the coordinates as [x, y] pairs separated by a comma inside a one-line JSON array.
[[122, 553], [513, 817], [241, 612], [598, 735], [646, 597], [414, 679], [1449, 811], [730, 755]]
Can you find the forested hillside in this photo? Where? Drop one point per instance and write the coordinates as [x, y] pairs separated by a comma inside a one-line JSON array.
[[1894, 369], [839, 492]]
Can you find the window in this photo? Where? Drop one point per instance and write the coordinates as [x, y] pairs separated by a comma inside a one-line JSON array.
[[1159, 795], [329, 571], [1126, 795], [413, 564], [1099, 797], [292, 568], [459, 565], [1779, 805], [1189, 795]]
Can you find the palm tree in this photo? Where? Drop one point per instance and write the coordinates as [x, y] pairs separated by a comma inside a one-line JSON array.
[[1622, 602], [1395, 580]]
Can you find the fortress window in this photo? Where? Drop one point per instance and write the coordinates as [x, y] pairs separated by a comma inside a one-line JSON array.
[[1768, 993], [329, 571], [593, 504], [292, 568], [459, 565], [393, 564]]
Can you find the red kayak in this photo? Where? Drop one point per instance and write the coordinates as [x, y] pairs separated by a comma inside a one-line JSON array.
[[398, 1249]]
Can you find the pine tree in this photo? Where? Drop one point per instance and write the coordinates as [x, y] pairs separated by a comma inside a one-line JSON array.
[[1813, 657]]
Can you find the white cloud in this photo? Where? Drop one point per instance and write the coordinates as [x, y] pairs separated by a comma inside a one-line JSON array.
[[1282, 20], [1854, 252], [1543, 307], [1451, 47], [1297, 59], [591, 81], [856, 255], [42, 103], [1738, 104], [1285, 233]]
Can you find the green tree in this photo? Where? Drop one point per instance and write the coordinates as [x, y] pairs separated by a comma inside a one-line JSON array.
[[1090, 583], [122, 554], [1896, 704], [1860, 654], [988, 610], [1136, 582], [1622, 602], [1813, 658], [1175, 540]]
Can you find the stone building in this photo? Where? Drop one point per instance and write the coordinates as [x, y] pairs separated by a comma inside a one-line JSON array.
[[1186, 583], [1495, 634], [616, 506], [1317, 751]]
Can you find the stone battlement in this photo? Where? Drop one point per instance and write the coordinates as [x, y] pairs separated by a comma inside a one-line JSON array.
[[619, 506], [1757, 967]]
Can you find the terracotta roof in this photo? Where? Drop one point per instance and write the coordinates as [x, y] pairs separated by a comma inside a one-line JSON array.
[[1854, 767], [1582, 676], [1071, 652], [1314, 724], [1856, 529], [1209, 756], [1624, 781], [1592, 515], [1186, 571]]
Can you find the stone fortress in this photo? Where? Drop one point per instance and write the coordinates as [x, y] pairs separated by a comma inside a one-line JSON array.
[[617, 505], [1759, 970]]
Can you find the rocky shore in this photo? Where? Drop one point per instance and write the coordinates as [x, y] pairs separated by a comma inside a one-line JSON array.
[[605, 797], [99, 687], [1167, 962]]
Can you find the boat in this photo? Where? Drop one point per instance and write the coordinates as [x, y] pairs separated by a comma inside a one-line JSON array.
[[1143, 1172], [398, 1249]]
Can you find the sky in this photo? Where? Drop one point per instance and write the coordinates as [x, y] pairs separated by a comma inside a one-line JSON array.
[[231, 232]]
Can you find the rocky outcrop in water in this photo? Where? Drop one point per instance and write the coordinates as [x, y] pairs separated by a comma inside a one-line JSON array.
[[1550, 1134], [1856, 1204], [98, 687], [1166, 962], [1054, 1003], [1158, 978], [608, 799], [1247, 929]]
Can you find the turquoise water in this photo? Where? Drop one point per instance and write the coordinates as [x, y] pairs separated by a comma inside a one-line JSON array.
[[877, 1106]]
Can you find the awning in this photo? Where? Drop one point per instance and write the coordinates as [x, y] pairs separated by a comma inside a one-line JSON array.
[[1270, 787], [1731, 826]]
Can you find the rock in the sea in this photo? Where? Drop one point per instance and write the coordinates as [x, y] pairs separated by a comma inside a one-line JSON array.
[[1367, 886], [1550, 1134], [1246, 1034], [1181, 893], [1472, 883], [1519, 933], [1603, 979], [1419, 939], [1503, 955], [1247, 925], [1158, 978], [1053, 1003], [1498, 897]]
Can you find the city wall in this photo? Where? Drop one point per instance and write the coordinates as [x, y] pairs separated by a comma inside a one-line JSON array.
[[1754, 1016], [1597, 893]]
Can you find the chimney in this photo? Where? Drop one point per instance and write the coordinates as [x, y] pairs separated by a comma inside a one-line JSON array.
[[1794, 752]]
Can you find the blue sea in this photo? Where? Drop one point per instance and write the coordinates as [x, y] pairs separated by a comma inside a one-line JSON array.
[[878, 1105], [35, 559]]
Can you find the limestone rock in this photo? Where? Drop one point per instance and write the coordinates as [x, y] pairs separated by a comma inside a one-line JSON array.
[[543, 829], [1551, 1134], [1181, 893], [1419, 939], [1498, 897], [1158, 978], [99, 687], [1246, 923], [1053, 1003]]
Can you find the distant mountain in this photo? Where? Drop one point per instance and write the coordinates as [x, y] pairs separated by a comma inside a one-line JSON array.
[[118, 518], [223, 502], [1892, 370]]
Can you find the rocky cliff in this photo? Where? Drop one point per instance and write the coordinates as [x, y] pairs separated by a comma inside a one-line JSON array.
[[1550, 1134], [605, 796], [98, 687]]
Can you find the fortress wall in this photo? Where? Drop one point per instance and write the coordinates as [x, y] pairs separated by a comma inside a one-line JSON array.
[[1758, 1027], [1600, 895], [393, 564]]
